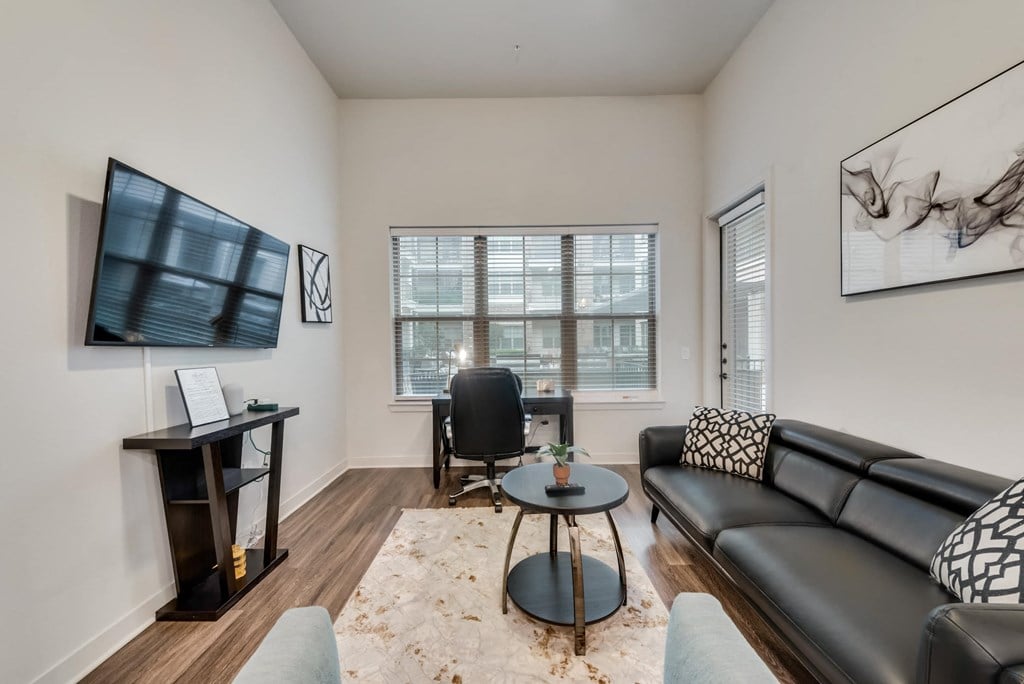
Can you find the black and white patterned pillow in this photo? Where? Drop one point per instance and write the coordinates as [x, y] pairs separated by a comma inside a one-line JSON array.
[[731, 441], [982, 560]]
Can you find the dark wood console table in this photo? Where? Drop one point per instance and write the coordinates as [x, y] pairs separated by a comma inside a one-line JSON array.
[[556, 403], [200, 475]]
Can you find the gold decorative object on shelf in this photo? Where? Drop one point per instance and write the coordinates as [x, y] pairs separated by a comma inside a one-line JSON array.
[[238, 554]]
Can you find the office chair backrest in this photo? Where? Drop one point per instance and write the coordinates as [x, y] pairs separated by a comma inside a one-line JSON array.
[[487, 413]]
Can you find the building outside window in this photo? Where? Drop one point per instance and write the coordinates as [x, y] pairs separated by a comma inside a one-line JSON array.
[[574, 305]]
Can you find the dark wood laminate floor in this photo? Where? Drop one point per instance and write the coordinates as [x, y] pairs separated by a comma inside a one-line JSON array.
[[333, 539]]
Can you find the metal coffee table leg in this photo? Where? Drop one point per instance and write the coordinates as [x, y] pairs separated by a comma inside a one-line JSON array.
[[618, 555], [554, 535], [508, 558], [579, 613]]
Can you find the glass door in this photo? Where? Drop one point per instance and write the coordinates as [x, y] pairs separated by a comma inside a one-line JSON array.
[[743, 306]]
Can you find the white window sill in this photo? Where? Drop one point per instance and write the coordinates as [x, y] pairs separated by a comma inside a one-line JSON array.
[[621, 400], [410, 405]]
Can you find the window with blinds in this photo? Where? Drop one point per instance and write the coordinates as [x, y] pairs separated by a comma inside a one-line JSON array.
[[575, 306], [744, 314]]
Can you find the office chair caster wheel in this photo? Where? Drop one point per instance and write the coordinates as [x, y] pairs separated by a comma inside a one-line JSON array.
[[451, 500], [497, 508]]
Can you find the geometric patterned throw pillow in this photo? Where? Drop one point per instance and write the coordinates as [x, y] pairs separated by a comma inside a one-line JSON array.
[[982, 560], [731, 441]]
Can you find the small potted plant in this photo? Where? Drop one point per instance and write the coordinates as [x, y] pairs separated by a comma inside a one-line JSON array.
[[560, 452]]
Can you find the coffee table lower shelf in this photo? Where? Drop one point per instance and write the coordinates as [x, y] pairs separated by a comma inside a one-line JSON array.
[[541, 586]]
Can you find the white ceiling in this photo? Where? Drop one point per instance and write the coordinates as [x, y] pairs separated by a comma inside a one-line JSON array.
[[467, 48]]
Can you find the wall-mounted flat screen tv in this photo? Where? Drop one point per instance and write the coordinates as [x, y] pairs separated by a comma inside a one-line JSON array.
[[172, 271]]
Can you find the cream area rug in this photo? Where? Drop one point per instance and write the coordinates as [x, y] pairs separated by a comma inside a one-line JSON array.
[[429, 608]]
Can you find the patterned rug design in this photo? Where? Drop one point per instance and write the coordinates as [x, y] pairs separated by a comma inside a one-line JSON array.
[[428, 608]]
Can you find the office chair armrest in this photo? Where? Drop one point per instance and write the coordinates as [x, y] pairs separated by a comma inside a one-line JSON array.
[[446, 435]]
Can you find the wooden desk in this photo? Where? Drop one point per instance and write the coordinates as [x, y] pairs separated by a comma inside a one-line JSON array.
[[200, 475], [557, 403]]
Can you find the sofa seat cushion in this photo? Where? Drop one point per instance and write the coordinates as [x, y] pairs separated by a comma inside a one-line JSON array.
[[706, 502], [855, 610]]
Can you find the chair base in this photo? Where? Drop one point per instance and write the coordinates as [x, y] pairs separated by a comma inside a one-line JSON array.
[[491, 480]]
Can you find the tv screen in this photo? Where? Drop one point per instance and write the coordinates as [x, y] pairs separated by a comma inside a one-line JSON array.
[[172, 271]]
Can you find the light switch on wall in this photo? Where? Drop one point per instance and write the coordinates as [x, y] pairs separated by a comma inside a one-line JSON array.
[[685, 353]]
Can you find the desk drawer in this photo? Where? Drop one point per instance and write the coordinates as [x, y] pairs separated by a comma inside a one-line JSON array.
[[546, 408]]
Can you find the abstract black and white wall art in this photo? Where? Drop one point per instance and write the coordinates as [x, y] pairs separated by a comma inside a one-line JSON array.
[[316, 285], [941, 198]]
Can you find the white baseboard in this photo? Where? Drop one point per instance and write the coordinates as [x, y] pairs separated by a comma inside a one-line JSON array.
[[93, 652], [363, 462], [301, 497], [614, 459], [84, 660]]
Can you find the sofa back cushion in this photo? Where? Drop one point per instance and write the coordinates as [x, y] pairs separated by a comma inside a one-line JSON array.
[[954, 487], [807, 478], [820, 466], [832, 446], [898, 522]]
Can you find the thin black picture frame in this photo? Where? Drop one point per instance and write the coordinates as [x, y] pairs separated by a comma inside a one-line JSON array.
[[191, 397], [315, 279], [971, 276]]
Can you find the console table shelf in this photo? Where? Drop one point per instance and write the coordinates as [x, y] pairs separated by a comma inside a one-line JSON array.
[[201, 474], [234, 479]]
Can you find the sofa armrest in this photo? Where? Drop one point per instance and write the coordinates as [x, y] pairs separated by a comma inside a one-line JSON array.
[[975, 642], [1012, 675], [661, 445]]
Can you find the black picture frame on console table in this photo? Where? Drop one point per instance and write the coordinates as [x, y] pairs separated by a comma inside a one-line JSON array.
[[202, 395]]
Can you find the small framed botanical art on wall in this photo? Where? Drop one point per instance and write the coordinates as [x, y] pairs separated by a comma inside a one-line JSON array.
[[316, 285]]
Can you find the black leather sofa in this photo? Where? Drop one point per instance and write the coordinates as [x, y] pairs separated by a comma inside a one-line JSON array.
[[833, 548]]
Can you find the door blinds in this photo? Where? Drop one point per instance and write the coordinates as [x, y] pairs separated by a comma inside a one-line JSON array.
[[744, 315]]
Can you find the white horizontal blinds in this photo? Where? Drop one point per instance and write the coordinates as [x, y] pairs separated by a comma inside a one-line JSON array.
[[614, 292], [573, 307], [434, 305], [525, 281], [744, 321]]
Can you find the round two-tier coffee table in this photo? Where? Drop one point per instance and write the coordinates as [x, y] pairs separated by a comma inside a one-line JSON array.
[[565, 588]]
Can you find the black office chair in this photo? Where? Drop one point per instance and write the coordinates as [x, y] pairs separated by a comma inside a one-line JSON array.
[[487, 424]]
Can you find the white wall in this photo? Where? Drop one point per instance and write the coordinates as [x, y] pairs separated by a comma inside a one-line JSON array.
[[933, 369], [217, 99], [508, 162]]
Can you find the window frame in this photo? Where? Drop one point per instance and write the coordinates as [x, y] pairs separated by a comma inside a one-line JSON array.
[[640, 397]]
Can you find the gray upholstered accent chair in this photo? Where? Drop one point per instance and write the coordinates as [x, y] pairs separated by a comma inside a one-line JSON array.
[[487, 424], [300, 649]]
